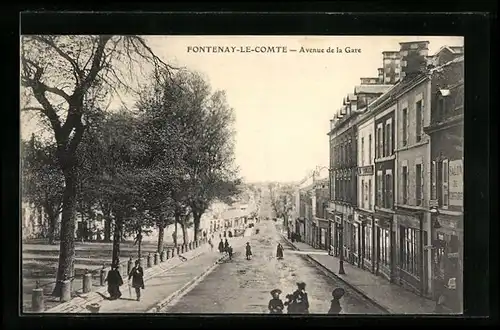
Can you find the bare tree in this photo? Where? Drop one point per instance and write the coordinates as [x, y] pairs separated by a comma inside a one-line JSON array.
[[70, 78]]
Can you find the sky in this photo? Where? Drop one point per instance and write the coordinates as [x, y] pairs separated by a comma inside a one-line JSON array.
[[284, 101]]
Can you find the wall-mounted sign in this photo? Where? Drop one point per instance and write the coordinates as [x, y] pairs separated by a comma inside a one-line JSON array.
[[365, 170], [456, 183]]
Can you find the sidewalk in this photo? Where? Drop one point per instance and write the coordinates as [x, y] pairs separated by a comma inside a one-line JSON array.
[[393, 298], [78, 304]]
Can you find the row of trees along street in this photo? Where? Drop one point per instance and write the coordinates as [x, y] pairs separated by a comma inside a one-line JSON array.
[[282, 199], [162, 162]]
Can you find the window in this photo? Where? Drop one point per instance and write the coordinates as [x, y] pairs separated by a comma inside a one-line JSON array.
[[434, 180], [418, 184], [441, 108], [410, 256], [370, 160], [388, 190], [418, 121], [388, 139], [445, 184], [384, 247], [368, 243], [380, 145], [379, 188], [369, 194], [354, 239], [404, 182], [362, 151], [362, 192], [405, 127]]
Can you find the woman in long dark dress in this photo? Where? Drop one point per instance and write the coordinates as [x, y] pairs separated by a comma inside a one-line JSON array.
[[279, 251], [114, 280], [137, 275], [248, 249], [300, 299]]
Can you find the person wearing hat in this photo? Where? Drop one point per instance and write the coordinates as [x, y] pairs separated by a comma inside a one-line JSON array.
[[335, 307], [137, 276], [279, 251], [300, 299], [248, 249], [275, 304], [114, 280]]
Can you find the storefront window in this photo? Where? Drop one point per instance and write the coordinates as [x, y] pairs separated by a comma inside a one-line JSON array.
[[440, 252], [410, 250], [368, 243], [384, 247], [355, 238]]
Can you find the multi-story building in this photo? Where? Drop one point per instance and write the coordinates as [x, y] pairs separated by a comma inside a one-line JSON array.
[[320, 203], [445, 129]]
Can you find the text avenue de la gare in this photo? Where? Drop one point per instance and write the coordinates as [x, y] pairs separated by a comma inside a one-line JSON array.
[[268, 49]]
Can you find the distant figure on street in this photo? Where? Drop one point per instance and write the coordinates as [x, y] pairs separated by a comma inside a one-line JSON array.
[[226, 245], [114, 280], [137, 276], [335, 307], [230, 252], [279, 251], [221, 246], [300, 299], [248, 249], [211, 244], [276, 304]]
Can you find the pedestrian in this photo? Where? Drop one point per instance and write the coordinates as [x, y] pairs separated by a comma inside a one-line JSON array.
[[335, 307], [226, 245], [300, 299], [289, 303], [230, 252], [221, 246], [137, 276], [275, 304], [279, 251], [114, 280], [248, 249]]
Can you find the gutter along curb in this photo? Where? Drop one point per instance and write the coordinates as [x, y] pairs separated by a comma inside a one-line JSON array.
[[332, 274]]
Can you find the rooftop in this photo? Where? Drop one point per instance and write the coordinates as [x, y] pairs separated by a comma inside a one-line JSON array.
[[371, 89]]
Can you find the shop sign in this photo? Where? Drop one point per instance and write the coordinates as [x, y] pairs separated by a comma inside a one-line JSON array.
[[456, 183], [453, 255], [365, 170]]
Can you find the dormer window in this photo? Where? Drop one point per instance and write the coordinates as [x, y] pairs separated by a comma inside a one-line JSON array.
[[441, 103]]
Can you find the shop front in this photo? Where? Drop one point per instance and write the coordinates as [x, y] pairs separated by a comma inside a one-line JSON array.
[[384, 243], [448, 267], [365, 221], [335, 227], [412, 260], [323, 239]]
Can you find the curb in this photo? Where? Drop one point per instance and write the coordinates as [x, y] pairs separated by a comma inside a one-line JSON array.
[[78, 307], [162, 304], [331, 273]]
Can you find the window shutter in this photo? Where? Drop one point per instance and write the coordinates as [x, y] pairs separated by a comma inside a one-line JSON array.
[[445, 183], [407, 183], [422, 194], [434, 180]]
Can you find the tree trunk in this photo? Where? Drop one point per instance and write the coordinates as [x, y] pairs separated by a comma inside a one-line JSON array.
[[117, 236], [67, 246], [196, 221], [177, 220], [161, 233], [107, 228], [184, 231], [139, 241], [52, 217]]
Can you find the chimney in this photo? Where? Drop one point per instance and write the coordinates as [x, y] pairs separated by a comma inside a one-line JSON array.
[[392, 67], [413, 57], [369, 81], [380, 75]]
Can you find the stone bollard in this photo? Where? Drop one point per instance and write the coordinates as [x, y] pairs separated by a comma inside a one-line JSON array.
[[37, 303], [149, 260], [65, 290], [163, 256], [103, 275], [87, 282], [156, 258], [169, 253], [130, 265]]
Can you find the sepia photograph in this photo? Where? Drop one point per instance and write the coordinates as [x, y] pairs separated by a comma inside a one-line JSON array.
[[201, 174]]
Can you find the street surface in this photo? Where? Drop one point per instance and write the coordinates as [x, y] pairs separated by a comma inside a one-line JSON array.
[[243, 286]]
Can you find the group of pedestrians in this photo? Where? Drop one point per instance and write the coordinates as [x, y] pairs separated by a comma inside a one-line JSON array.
[[114, 280], [298, 301]]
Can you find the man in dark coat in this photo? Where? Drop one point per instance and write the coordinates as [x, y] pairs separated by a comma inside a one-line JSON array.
[[137, 276], [335, 307], [114, 280], [279, 251], [221, 246], [226, 245], [300, 299], [248, 249]]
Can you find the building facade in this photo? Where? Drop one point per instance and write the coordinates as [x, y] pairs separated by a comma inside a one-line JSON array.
[[445, 129]]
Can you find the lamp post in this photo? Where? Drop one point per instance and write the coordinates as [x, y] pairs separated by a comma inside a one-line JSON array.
[[340, 227]]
